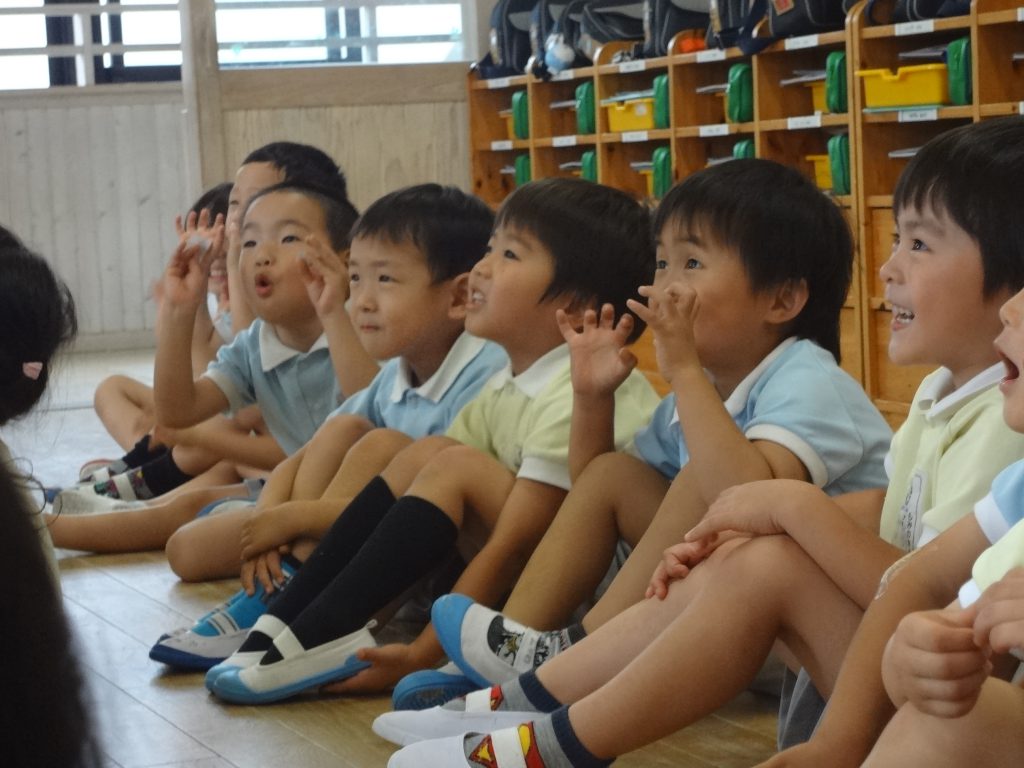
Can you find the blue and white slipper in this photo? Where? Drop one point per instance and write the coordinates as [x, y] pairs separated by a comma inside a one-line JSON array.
[[271, 626], [409, 727], [431, 688], [298, 670]]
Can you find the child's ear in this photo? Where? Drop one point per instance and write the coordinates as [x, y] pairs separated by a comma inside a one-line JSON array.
[[459, 296], [788, 301]]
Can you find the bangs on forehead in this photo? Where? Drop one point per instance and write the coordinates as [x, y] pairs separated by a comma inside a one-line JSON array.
[[915, 190], [698, 226]]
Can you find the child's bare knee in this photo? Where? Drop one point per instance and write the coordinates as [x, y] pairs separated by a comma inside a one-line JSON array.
[[180, 558]]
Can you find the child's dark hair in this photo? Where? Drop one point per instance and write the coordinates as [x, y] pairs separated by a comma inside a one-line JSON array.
[[37, 314], [975, 174], [214, 200], [783, 228], [301, 161], [43, 701], [448, 226], [339, 213], [599, 237]]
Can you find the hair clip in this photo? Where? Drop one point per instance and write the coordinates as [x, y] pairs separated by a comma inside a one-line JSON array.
[[32, 370]]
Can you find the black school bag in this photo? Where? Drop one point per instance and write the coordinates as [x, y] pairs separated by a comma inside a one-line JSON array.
[[733, 21], [915, 10], [663, 19], [510, 39], [607, 20], [556, 23]]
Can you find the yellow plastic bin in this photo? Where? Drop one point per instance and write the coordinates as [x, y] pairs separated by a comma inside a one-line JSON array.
[[822, 170], [817, 95], [912, 86], [631, 115]]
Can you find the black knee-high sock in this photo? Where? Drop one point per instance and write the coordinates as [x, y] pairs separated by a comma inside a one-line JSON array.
[[335, 550], [414, 537], [162, 474], [141, 453]]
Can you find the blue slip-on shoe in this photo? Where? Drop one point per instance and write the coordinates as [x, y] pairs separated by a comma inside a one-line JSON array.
[[268, 625], [431, 688], [298, 669]]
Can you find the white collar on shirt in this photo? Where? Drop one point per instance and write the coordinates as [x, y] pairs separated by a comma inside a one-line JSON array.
[[531, 381], [737, 401], [459, 356], [273, 351], [939, 399]]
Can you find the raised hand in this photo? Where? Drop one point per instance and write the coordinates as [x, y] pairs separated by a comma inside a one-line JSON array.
[[326, 277], [600, 359], [670, 314]]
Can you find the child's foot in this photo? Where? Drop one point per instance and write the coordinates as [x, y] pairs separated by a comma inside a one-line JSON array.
[[295, 668], [431, 688], [98, 470], [129, 486], [75, 501], [478, 711], [218, 634], [266, 628], [488, 647], [513, 747]]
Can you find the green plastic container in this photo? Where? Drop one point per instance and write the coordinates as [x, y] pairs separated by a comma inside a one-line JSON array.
[[739, 93], [958, 63], [839, 163], [586, 122], [588, 169], [522, 166], [661, 102], [661, 160], [520, 115], [743, 149], [835, 82]]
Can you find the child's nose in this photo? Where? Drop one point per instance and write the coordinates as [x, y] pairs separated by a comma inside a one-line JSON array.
[[1012, 311]]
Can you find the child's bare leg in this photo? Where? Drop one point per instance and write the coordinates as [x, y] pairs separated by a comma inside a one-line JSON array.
[[615, 497], [762, 590], [681, 509], [991, 734], [125, 406], [134, 530], [208, 548]]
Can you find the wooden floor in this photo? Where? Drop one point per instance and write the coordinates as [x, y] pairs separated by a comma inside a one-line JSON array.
[[148, 716]]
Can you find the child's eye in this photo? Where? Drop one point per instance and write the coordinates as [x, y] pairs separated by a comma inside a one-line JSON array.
[[290, 239], [510, 255], [385, 279], [692, 264], [353, 278], [249, 244], [661, 264], [917, 245]]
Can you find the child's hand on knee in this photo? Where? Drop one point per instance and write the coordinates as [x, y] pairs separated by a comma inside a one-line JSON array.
[[933, 662], [676, 563], [750, 508], [265, 530], [264, 569]]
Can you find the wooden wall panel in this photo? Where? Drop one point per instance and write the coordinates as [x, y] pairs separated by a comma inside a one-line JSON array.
[[380, 147]]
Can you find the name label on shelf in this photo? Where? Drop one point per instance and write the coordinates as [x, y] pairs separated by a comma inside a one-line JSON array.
[[718, 129], [1020, 13], [803, 41], [499, 146], [563, 141], [565, 74], [1020, 107], [499, 82], [631, 136], [915, 27], [918, 115], [633, 66], [804, 121], [715, 54]]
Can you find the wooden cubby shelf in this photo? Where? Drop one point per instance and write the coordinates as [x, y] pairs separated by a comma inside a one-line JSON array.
[[788, 125]]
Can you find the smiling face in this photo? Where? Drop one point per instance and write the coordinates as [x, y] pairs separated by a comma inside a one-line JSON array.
[[273, 237], [396, 307], [730, 330], [933, 280], [505, 290]]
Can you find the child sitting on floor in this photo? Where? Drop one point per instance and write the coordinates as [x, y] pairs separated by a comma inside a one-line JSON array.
[[502, 470], [408, 268], [721, 600], [288, 361]]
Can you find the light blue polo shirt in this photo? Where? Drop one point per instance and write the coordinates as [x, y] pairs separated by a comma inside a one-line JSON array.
[[801, 399], [295, 391], [393, 402]]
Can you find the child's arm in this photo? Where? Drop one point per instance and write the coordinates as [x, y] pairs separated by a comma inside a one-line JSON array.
[[205, 338], [852, 555], [226, 440], [179, 400], [242, 315], [600, 363], [327, 283], [720, 454]]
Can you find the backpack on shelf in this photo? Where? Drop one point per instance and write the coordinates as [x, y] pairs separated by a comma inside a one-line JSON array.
[[510, 39], [554, 33], [663, 19], [916, 10], [733, 21], [606, 20]]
